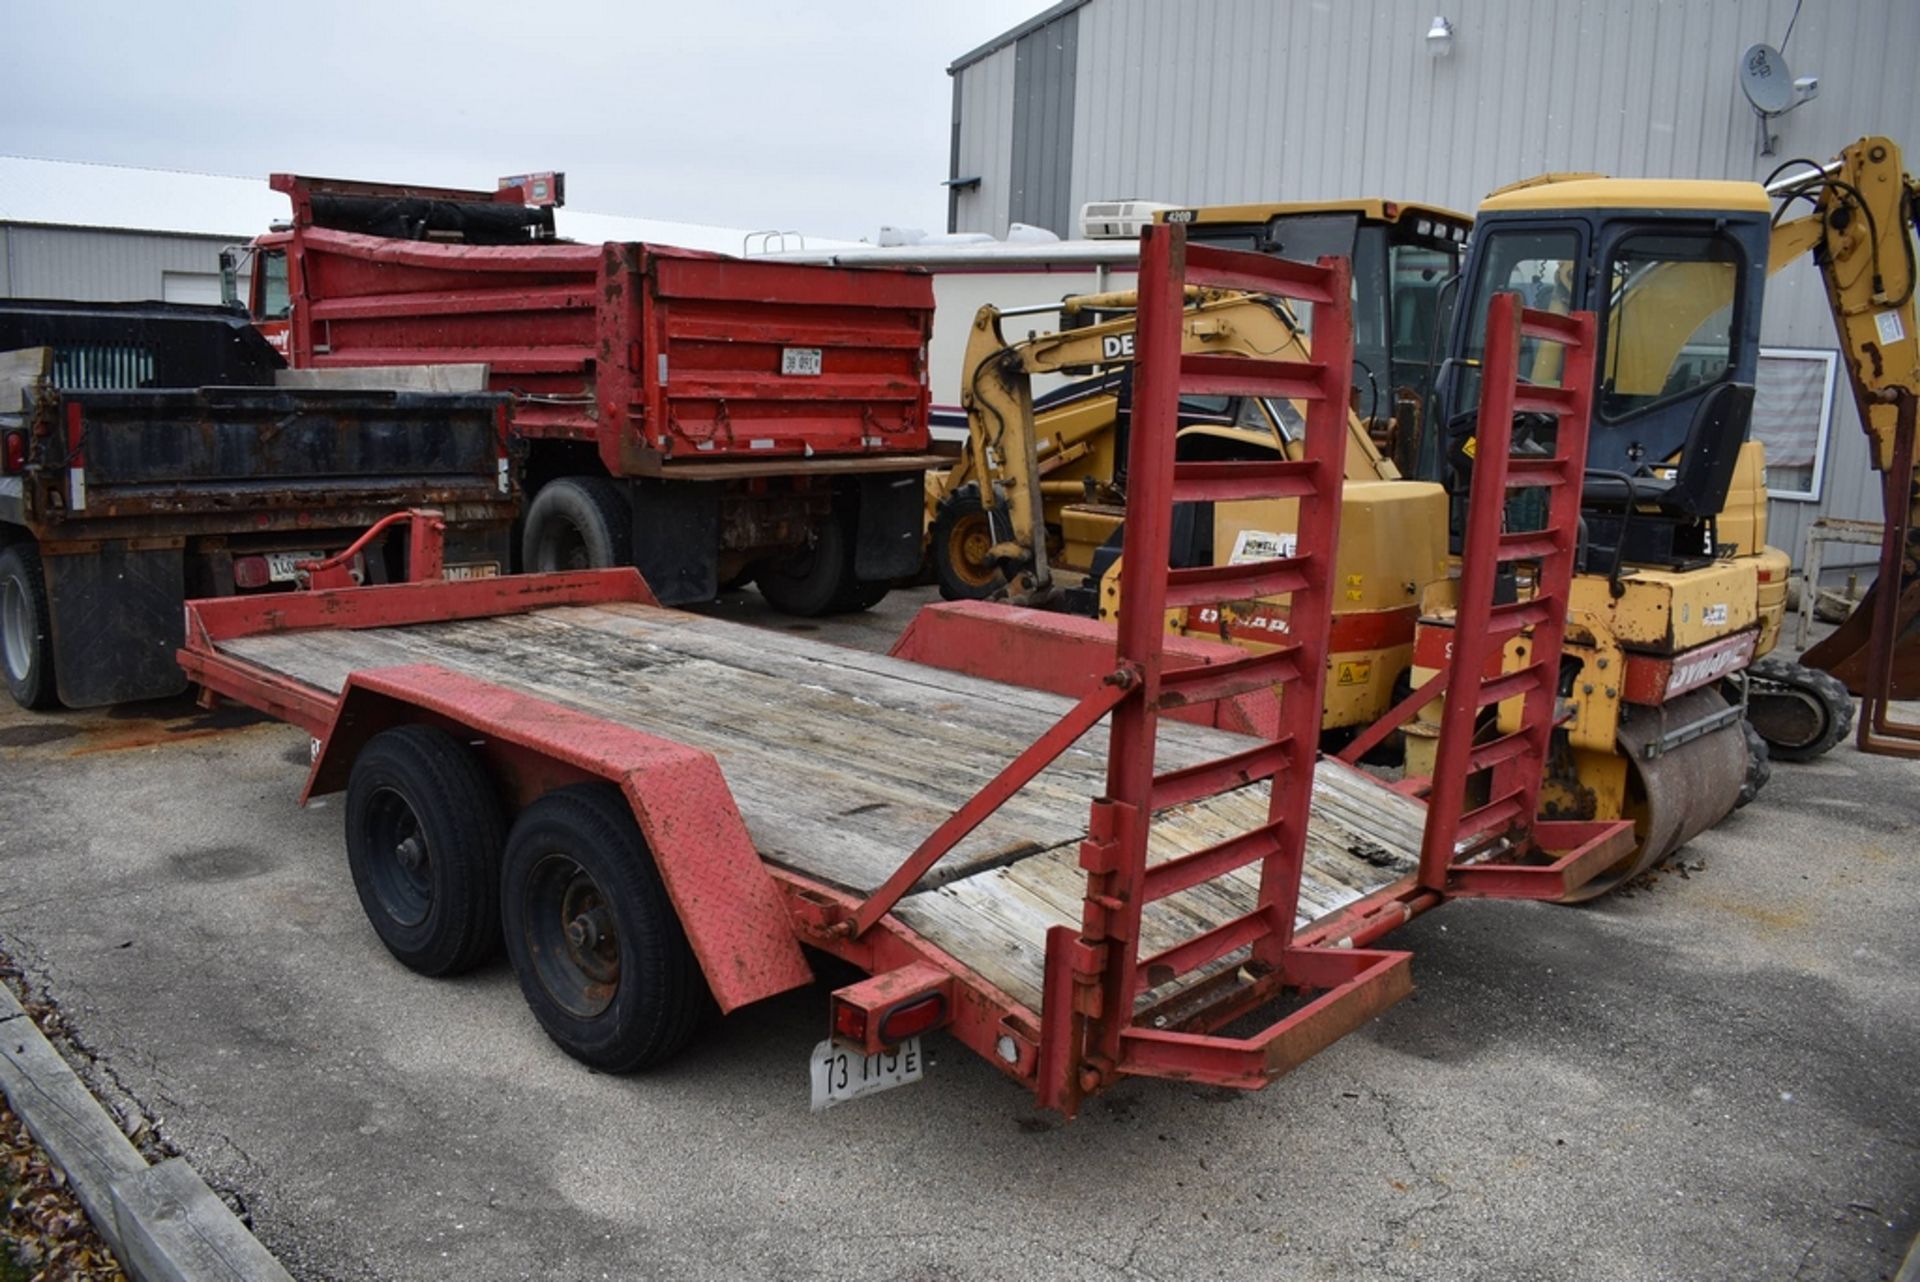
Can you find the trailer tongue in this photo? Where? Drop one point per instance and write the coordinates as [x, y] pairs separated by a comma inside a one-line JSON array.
[[1077, 889]]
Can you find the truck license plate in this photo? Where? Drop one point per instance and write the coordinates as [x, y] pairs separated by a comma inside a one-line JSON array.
[[280, 564], [800, 360], [474, 570], [840, 1074]]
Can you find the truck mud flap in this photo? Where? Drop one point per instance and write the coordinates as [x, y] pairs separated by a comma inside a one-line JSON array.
[[888, 538], [676, 539], [117, 620]]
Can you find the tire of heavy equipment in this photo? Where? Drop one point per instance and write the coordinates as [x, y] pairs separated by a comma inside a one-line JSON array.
[[26, 639], [960, 526], [424, 833], [1759, 765], [1825, 702], [594, 939], [815, 580], [577, 523]]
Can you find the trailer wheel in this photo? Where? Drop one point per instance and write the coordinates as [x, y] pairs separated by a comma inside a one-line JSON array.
[[423, 841], [811, 581], [577, 523], [593, 936], [26, 640]]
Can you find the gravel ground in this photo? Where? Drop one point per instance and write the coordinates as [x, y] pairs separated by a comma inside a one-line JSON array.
[[1707, 1077]]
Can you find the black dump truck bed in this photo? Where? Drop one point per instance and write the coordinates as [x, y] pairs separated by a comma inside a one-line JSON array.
[[147, 454]]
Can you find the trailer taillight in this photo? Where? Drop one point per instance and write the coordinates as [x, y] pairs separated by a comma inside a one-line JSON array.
[[16, 451], [910, 1019], [879, 1013]]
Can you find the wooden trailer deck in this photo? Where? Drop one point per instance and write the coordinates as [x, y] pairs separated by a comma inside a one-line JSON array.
[[842, 762]]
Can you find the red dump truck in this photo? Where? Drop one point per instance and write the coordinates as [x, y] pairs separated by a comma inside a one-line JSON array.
[[707, 419]]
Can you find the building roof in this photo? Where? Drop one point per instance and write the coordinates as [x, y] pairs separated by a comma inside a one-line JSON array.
[[1012, 34], [67, 193]]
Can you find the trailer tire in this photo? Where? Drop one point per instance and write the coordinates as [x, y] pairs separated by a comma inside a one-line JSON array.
[[424, 833], [577, 523], [811, 581], [26, 633], [594, 938]]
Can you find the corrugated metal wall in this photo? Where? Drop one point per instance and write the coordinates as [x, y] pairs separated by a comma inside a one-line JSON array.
[[1208, 101], [983, 146], [99, 265], [1045, 66]]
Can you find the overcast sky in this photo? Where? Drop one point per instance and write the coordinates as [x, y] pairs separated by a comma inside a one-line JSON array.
[[832, 117]]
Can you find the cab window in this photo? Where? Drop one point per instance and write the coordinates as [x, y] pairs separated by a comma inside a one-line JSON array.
[[270, 294], [1669, 323]]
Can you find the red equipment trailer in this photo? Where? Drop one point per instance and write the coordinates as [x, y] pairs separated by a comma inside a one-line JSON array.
[[705, 418], [694, 799]]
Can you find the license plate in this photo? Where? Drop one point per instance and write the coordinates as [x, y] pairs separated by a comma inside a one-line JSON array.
[[474, 570], [800, 360], [280, 564], [841, 1074]]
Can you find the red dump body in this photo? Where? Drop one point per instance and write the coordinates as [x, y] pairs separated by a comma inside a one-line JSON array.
[[660, 356]]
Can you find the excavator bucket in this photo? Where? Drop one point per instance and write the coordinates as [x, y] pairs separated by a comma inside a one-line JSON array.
[[1877, 651], [1848, 651]]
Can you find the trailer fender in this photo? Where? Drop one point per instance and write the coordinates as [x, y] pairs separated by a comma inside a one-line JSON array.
[[728, 904]]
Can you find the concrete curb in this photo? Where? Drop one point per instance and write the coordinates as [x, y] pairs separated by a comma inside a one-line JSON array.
[[163, 1222]]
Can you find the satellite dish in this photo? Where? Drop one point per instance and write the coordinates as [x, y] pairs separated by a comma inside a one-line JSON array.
[[1765, 80]]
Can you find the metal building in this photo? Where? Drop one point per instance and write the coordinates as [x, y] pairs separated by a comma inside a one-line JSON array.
[[109, 233], [116, 233], [1216, 101]]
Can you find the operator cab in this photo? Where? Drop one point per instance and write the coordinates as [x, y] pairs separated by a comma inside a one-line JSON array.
[[1675, 271], [1403, 257]]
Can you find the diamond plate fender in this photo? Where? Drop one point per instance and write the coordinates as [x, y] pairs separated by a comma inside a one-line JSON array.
[[733, 913]]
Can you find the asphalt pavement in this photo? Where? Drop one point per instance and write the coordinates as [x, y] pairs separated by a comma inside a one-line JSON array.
[[1709, 1076]]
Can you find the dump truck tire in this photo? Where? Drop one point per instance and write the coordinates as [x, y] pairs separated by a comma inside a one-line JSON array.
[[577, 523], [595, 941], [26, 634], [424, 834], [811, 581]]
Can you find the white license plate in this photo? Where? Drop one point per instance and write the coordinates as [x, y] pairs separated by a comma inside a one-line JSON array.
[[280, 564], [841, 1074], [799, 360], [474, 570]]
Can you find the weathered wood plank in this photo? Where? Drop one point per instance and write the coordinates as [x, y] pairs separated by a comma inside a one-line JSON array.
[[842, 761]]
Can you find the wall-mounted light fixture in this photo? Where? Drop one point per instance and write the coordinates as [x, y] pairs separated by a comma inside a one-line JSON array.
[[1440, 37]]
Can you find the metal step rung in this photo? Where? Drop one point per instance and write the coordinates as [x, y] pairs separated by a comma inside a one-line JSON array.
[[1532, 398], [1516, 616], [1511, 685], [1499, 751], [1527, 545], [1552, 326], [1257, 274], [1230, 482], [1172, 876], [1222, 774], [1210, 683], [1204, 375], [1248, 581], [1189, 956], [1529, 472], [1495, 814]]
